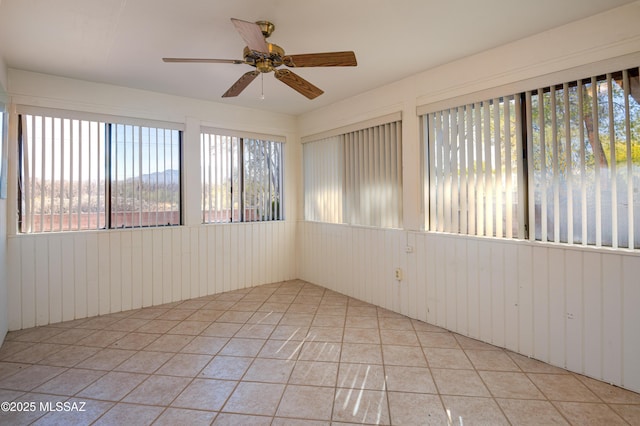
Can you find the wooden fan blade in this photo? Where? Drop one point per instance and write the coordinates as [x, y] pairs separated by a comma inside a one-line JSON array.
[[328, 59], [204, 60], [298, 83], [241, 84], [252, 35]]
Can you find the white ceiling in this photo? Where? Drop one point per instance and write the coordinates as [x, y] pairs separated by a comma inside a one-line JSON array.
[[121, 42]]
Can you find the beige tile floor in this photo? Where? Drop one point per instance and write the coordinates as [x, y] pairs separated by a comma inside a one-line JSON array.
[[288, 353]]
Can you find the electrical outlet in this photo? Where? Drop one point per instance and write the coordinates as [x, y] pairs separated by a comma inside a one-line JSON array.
[[398, 274]]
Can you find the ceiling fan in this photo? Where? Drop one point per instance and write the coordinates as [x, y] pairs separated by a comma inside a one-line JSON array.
[[266, 57]]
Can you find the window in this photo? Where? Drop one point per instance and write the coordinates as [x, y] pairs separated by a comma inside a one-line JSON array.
[[473, 158], [242, 179], [569, 152], [80, 174], [355, 177], [584, 137]]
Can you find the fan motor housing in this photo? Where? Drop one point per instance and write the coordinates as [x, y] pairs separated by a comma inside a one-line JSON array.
[[264, 62]]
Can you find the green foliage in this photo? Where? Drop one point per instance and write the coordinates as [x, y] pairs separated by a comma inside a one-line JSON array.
[[621, 152], [589, 139]]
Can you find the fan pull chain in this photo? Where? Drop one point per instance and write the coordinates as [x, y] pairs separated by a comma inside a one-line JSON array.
[[262, 86]]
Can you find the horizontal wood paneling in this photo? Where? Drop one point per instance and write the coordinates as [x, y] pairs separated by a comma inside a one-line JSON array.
[[575, 308], [60, 277]]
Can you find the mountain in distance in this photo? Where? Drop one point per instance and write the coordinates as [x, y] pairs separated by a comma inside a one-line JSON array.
[[167, 177]]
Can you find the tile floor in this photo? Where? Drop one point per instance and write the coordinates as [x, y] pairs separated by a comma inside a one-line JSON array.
[[288, 353]]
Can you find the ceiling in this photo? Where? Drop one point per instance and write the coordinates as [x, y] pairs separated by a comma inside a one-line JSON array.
[[121, 42]]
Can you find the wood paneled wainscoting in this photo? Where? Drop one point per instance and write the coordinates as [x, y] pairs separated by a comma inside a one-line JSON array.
[[56, 277]]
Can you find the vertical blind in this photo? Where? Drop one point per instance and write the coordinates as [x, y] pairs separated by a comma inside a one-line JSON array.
[[355, 177], [3, 150], [373, 176], [323, 180], [220, 173], [473, 162]]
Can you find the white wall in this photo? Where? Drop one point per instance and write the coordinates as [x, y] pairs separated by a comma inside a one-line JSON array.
[[62, 276], [569, 306]]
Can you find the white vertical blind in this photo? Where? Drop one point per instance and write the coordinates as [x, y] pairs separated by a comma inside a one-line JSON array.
[[217, 172], [473, 166], [323, 171], [479, 165], [373, 176], [612, 164], [632, 184], [568, 155], [3, 150]]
